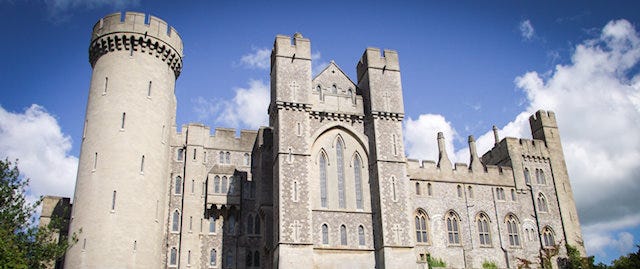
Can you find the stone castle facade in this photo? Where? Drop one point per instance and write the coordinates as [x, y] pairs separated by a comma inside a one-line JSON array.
[[325, 185]]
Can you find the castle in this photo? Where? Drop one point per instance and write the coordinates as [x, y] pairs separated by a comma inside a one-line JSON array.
[[325, 185]]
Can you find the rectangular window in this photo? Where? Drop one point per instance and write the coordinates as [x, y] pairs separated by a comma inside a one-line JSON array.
[[190, 224]]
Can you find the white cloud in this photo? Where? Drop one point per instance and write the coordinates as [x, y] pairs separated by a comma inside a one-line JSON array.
[[247, 109], [59, 10], [34, 137], [526, 30], [259, 58], [420, 136], [596, 98]]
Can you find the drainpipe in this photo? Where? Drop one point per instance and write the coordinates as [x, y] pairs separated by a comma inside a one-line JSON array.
[[184, 179]]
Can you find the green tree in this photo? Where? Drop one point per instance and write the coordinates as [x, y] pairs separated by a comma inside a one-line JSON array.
[[22, 243], [629, 261]]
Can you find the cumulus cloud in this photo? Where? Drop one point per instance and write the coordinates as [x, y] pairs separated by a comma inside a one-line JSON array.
[[247, 109], [596, 98], [259, 58], [60, 10], [526, 29], [35, 139], [421, 136]]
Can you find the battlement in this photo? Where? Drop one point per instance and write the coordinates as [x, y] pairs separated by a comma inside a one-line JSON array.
[[296, 48], [490, 174], [541, 119], [133, 31], [373, 58]]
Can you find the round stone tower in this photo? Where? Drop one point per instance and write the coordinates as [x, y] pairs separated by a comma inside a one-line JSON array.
[[123, 173]]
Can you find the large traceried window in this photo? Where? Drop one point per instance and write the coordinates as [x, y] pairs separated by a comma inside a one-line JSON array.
[[340, 169], [483, 229], [547, 237], [357, 171], [422, 232], [323, 180], [512, 231], [453, 228]]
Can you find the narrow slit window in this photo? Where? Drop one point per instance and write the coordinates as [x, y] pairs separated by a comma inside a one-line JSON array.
[[95, 161], [417, 188], [106, 84], [361, 235], [113, 201], [84, 130], [175, 222], [395, 146], [429, 191], [149, 90], [193, 185], [393, 186], [178, 185], [295, 191], [124, 116], [195, 154], [142, 164]]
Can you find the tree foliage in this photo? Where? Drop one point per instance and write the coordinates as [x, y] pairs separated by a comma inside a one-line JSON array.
[[22, 243]]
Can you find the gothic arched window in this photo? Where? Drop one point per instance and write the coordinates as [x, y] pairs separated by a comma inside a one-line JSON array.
[[429, 191], [547, 236], [343, 235], [334, 89], [542, 203], [422, 232], [256, 228], [216, 184], [340, 167], [221, 157], [246, 159], [453, 228], [224, 185], [483, 229], [527, 176], [512, 231], [212, 224], [361, 235], [325, 234], [540, 177], [459, 188], [213, 257], [173, 256], [323, 180], [175, 222], [357, 171], [228, 157], [178, 185]]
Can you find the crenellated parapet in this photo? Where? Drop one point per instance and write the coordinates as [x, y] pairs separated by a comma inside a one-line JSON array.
[[136, 32], [460, 173]]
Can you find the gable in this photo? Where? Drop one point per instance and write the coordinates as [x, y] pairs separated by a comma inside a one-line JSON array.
[[332, 76]]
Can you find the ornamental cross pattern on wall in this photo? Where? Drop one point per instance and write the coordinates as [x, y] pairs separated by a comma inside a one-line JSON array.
[[293, 86]]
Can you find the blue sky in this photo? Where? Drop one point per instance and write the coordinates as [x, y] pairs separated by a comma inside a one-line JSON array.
[[466, 65]]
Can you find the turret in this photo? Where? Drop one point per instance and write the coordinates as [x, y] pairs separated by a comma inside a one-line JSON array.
[[120, 193], [443, 158]]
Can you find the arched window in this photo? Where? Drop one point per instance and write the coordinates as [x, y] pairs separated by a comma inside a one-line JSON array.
[[500, 194], [459, 191], [173, 256], [527, 176], [256, 259], [513, 195], [212, 224], [319, 89], [323, 180], [224, 189], [334, 89], [232, 184], [227, 157], [547, 237], [422, 232], [357, 171], [221, 157], [216, 184], [429, 191], [340, 167], [361, 235], [228, 261], [249, 260], [325, 234], [540, 177], [542, 203], [250, 224], [213, 258], [453, 228], [246, 159], [470, 192], [512, 230], [178, 185], [483, 229], [417, 188], [343, 235], [232, 224], [256, 228], [175, 222]]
